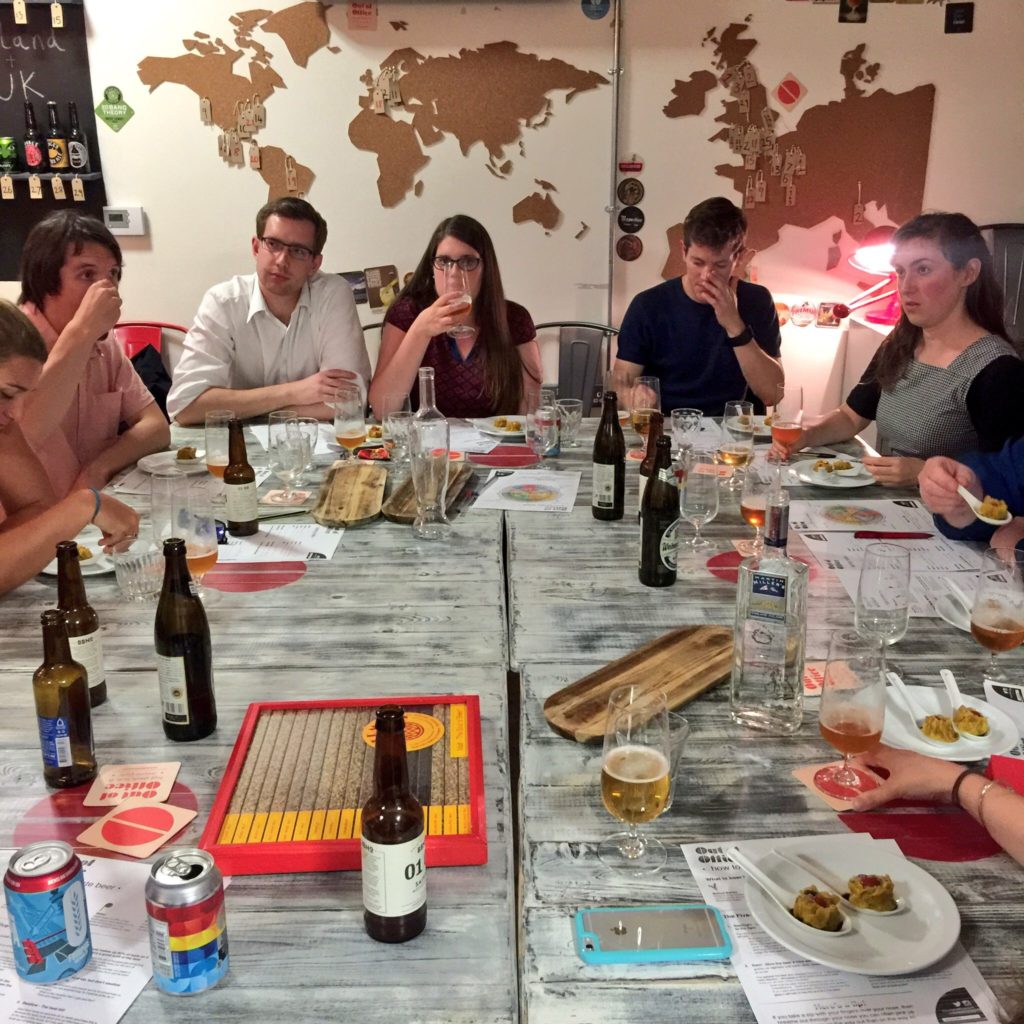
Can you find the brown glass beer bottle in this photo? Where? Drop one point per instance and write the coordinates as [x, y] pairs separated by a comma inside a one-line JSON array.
[[82, 622], [240, 486]]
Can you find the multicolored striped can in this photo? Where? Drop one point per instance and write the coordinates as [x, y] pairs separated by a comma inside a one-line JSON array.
[[45, 891], [188, 935]]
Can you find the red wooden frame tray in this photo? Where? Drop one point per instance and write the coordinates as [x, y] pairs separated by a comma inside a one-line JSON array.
[[293, 789]]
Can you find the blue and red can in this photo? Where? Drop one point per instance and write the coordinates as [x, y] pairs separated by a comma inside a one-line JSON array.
[[45, 892], [188, 934]]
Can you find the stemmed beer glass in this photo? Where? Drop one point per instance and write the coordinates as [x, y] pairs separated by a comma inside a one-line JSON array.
[[736, 448], [635, 776], [788, 415], [882, 611], [644, 399], [349, 418], [698, 495], [181, 509]]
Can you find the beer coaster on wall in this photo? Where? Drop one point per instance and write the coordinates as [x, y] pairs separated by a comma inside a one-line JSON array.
[[827, 315], [631, 219], [803, 313], [629, 248], [630, 191], [381, 286]]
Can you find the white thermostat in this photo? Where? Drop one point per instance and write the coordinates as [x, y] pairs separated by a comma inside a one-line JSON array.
[[124, 220]]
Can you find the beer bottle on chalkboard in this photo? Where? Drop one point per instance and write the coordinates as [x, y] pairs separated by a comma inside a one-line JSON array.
[[78, 148], [62, 709], [184, 659], [393, 840], [82, 622], [35, 148], [609, 491], [56, 141], [659, 510], [240, 486], [655, 428]]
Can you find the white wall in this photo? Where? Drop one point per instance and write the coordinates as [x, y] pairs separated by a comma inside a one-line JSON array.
[[201, 211]]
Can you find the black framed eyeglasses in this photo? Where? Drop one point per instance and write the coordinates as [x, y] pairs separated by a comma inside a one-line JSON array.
[[466, 263], [275, 247]]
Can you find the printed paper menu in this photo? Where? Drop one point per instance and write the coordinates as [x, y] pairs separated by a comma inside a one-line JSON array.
[[783, 988]]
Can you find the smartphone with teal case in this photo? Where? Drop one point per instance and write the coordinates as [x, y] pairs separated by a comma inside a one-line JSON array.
[[661, 933]]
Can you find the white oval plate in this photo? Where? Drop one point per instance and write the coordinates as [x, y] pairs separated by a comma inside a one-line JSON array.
[[807, 474], [169, 460], [91, 537], [486, 426], [900, 731], [878, 945]]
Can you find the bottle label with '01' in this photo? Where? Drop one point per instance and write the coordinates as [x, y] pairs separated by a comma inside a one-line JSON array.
[[394, 877]]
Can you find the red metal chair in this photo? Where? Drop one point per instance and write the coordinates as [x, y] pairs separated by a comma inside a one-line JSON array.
[[135, 335]]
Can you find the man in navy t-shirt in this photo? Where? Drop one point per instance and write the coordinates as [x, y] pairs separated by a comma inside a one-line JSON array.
[[708, 336]]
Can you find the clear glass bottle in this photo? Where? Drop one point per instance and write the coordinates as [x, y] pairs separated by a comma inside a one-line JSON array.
[[767, 690], [427, 408]]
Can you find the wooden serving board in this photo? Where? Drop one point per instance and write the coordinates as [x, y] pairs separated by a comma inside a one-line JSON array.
[[683, 664], [401, 506], [350, 494]]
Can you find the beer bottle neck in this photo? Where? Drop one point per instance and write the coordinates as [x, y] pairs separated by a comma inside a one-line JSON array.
[[73, 115], [655, 429], [52, 113], [610, 407], [70, 585], [390, 764], [30, 116], [56, 649], [177, 579], [237, 455]]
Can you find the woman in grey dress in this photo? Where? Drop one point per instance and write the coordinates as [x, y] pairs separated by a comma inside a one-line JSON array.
[[948, 379]]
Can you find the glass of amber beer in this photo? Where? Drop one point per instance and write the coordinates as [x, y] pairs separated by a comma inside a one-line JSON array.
[[997, 619], [635, 776]]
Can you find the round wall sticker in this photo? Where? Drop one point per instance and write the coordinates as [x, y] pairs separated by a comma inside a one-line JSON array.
[[629, 248], [631, 219], [630, 191]]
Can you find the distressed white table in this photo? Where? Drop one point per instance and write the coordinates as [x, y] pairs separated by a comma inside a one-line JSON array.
[[386, 616], [576, 604]]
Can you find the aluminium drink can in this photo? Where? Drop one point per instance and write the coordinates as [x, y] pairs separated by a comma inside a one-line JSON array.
[[45, 891], [188, 935]]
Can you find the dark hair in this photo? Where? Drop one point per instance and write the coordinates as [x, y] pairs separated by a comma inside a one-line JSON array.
[[47, 248], [960, 241], [716, 223], [294, 209], [18, 335], [503, 369]]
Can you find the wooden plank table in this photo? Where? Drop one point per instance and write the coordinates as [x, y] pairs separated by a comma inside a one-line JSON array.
[[388, 615], [576, 604]]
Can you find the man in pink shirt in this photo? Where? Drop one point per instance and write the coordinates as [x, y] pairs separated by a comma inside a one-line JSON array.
[[91, 415]]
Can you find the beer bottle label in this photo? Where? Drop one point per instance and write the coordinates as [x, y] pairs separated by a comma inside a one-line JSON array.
[[33, 154], [88, 652], [56, 742], [173, 689], [241, 502], [394, 877], [78, 155], [604, 486], [57, 153], [669, 547]]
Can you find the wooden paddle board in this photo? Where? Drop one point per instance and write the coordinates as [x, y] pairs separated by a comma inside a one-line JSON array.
[[351, 493], [683, 664], [401, 506]]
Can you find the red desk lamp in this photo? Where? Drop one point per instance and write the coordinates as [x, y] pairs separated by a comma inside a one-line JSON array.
[[874, 256]]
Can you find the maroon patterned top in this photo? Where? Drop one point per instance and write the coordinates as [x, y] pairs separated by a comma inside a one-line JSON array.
[[459, 385]]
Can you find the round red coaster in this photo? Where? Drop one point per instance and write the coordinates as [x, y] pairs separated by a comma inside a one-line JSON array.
[[62, 815], [830, 787]]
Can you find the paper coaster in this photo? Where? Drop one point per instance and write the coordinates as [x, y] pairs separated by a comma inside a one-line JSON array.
[[814, 678], [117, 783], [806, 776], [136, 828], [279, 498]]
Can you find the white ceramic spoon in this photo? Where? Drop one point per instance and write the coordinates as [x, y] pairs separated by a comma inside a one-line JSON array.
[[782, 897], [976, 505], [798, 862], [915, 712], [956, 700]]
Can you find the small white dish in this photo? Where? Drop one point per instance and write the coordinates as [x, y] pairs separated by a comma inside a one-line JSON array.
[[169, 460], [806, 473], [857, 470], [92, 538]]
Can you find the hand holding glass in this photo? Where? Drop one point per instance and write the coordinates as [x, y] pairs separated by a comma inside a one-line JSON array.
[[455, 281]]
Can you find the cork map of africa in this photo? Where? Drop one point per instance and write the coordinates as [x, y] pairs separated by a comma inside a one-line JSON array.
[[492, 95]]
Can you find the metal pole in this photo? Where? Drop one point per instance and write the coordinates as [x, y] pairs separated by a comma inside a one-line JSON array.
[[616, 72]]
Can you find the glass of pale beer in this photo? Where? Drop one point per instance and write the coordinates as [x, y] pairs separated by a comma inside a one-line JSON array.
[[635, 776]]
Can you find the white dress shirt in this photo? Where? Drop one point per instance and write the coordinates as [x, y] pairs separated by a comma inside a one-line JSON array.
[[236, 342]]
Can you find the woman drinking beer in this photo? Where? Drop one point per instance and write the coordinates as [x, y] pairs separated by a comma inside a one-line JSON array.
[[453, 316], [31, 522]]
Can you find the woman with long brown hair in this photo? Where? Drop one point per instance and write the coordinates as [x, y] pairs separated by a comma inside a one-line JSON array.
[[948, 379], [478, 373]]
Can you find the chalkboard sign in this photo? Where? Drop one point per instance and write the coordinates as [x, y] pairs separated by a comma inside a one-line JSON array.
[[41, 63]]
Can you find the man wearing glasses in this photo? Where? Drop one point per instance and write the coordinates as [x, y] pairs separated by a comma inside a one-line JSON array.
[[91, 414], [286, 336]]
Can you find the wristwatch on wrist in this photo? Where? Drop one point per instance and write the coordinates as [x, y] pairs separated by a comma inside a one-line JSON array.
[[743, 338]]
